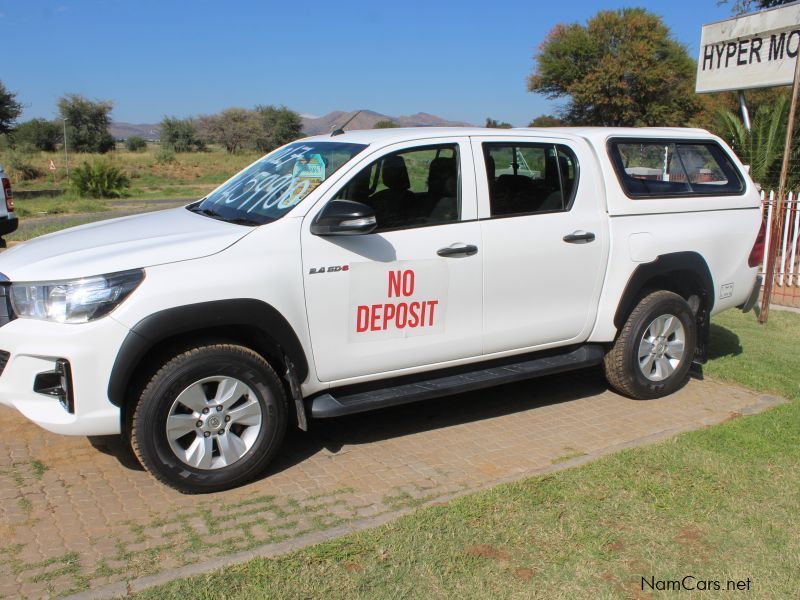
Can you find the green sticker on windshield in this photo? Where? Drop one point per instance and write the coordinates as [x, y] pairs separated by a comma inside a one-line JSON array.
[[307, 174], [311, 168]]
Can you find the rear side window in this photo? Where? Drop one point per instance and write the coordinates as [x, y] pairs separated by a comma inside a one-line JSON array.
[[664, 168], [529, 178]]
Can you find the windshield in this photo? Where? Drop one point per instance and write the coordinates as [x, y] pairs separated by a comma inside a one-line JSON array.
[[271, 186]]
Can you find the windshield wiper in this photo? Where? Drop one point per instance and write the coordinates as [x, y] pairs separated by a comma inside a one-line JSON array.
[[244, 221], [210, 212]]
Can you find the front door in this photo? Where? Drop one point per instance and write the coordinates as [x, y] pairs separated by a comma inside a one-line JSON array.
[[409, 294]]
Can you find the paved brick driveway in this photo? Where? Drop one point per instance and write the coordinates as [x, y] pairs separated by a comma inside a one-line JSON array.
[[76, 516]]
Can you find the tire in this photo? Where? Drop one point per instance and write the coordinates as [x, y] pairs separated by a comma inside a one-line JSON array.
[[204, 395], [643, 365]]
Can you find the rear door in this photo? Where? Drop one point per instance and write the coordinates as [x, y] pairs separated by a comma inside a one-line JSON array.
[[409, 294], [544, 240]]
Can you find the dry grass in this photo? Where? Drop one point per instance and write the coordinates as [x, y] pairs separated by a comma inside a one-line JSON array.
[[191, 175]]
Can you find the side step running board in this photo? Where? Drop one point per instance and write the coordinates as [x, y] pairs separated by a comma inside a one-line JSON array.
[[332, 405]]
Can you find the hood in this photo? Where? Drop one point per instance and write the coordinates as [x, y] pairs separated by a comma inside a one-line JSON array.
[[133, 242]]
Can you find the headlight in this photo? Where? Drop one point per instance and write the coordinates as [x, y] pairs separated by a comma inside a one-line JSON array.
[[76, 300]]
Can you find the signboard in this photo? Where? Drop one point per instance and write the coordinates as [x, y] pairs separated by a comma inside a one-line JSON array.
[[752, 51], [52, 166]]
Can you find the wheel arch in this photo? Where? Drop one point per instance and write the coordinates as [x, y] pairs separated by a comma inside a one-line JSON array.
[[684, 273], [251, 322], [681, 272]]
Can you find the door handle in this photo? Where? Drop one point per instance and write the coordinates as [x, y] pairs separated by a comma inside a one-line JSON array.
[[579, 237], [458, 250]]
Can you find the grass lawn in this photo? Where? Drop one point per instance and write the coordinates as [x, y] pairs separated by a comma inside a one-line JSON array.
[[720, 504]]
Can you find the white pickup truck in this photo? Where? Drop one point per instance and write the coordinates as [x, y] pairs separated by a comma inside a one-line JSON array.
[[8, 220], [366, 269]]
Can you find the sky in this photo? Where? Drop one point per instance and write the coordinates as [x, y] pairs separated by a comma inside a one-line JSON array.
[[464, 60]]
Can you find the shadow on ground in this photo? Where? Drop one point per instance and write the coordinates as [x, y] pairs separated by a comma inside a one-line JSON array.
[[399, 421], [723, 342]]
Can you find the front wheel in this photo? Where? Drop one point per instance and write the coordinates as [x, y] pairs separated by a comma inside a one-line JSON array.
[[653, 353], [210, 419]]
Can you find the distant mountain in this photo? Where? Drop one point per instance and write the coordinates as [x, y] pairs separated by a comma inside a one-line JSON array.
[[366, 119], [311, 125], [122, 131]]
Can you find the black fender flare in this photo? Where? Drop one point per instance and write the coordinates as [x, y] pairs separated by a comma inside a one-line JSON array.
[[664, 265], [258, 316], [667, 265]]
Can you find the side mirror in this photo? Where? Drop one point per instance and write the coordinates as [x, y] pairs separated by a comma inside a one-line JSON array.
[[344, 217]]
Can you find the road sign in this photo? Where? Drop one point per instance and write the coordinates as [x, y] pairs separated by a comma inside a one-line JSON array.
[[52, 166], [752, 51]]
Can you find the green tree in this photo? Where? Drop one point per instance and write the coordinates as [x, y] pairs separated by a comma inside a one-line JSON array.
[[234, 128], [87, 123], [741, 7], [493, 124], [38, 133], [385, 124], [135, 143], [278, 125], [623, 68], [546, 121], [180, 135], [10, 109], [762, 146]]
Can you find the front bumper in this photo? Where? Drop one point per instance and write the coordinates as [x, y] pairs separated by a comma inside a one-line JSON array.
[[90, 348]]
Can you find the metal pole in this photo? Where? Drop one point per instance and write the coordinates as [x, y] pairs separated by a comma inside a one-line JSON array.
[[777, 223], [66, 157], [743, 108]]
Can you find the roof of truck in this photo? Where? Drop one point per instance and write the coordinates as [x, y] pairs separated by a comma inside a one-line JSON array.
[[594, 134]]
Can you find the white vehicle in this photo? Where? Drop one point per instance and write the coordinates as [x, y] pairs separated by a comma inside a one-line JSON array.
[[8, 220], [350, 272]]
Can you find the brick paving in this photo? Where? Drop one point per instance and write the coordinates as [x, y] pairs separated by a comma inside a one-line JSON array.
[[78, 515]]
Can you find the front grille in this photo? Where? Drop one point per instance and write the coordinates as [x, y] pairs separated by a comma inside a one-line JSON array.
[[6, 312], [4, 356]]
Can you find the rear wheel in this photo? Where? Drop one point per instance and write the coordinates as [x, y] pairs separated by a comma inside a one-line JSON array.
[[210, 419], [652, 356]]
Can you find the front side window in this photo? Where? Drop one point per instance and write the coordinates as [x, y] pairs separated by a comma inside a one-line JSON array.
[[273, 185], [663, 168], [410, 188], [529, 178]]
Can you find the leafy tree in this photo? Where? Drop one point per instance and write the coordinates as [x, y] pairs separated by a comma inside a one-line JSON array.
[[38, 133], [135, 143], [741, 7], [87, 123], [165, 156], [10, 109], [278, 126], [385, 124], [492, 124], [180, 135], [234, 128], [622, 68], [546, 121]]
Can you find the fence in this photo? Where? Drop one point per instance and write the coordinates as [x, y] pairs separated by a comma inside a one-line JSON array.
[[786, 286]]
